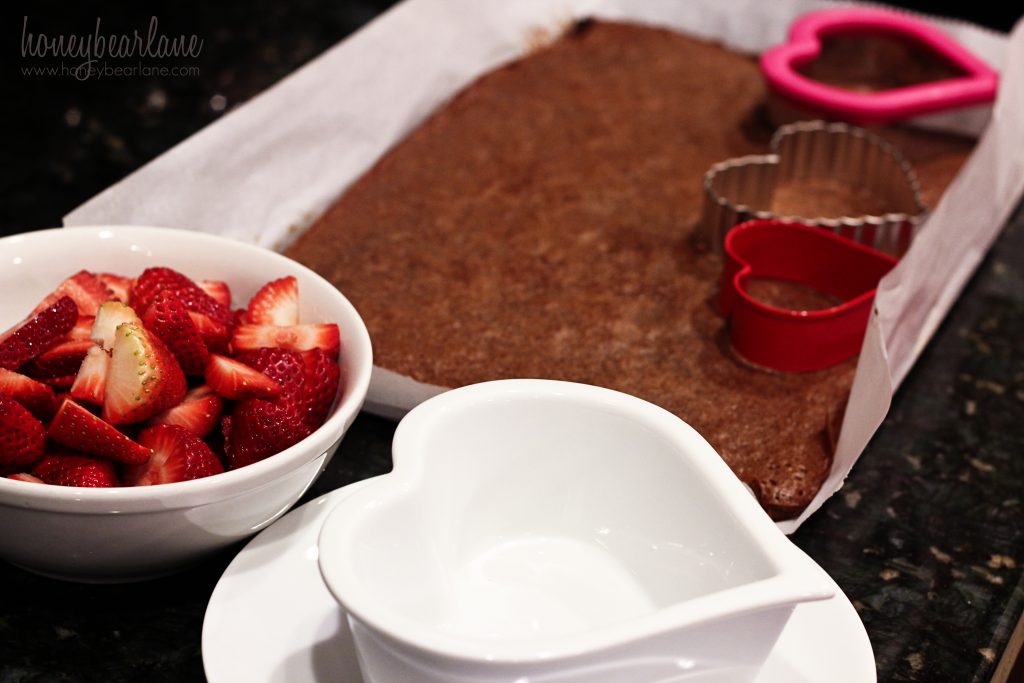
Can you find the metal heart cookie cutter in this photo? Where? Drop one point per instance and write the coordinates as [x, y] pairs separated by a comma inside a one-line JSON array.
[[971, 81], [798, 340], [822, 157]]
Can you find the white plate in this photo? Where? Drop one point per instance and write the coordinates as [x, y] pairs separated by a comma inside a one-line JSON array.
[[272, 620]]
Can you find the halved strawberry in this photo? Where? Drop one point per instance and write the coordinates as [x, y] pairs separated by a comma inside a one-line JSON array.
[[276, 303], [108, 317], [37, 397], [168, 319], [322, 377], [42, 331], [85, 289], [259, 429], [144, 378], [198, 412], [60, 383], [235, 380], [91, 381], [178, 455], [75, 427], [21, 436], [284, 367], [26, 477], [218, 291], [74, 469], [120, 286], [82, 328], [323, 336], [154, 280], [216, 335], [59, 360]]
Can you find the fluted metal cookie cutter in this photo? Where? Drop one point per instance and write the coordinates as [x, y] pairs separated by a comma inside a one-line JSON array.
[[741, 189]]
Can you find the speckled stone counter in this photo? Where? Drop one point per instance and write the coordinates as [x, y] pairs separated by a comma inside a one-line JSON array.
[[926, 538]]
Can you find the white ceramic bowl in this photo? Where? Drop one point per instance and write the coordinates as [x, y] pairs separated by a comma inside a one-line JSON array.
[[135, 532], [546, 531]]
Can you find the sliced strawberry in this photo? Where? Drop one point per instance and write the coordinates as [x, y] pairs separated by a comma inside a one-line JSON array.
[[75, 427], [154, 280], [178, 455], [120, 286], [26, 477], [259, 429], [320, 387], [91, 381], [37, 397], [144, 378], [21, 436], [168, 319], [216, 335], [284, 367], [85, 289], [60, 383], [198, 412], [108, 317], [38, 334], [60, 360], [235, 380], [75, 469], [82, 329], [323, 336], [276, 303], [218, 291]]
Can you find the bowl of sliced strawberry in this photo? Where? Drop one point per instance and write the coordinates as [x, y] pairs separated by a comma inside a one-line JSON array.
[[163, 394]]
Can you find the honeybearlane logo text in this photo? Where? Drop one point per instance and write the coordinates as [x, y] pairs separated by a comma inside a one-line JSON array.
[[98, 54]]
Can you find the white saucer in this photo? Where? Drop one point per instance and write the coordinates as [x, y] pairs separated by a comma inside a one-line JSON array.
[[272, 620]]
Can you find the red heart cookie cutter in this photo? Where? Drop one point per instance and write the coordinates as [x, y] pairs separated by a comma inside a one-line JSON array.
[[793, 340], [977, 85]]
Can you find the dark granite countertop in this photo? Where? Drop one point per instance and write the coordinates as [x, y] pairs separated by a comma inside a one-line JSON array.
[[926, 537]]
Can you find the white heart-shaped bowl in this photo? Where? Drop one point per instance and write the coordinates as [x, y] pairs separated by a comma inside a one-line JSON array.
[[130, 533], [544, 531]]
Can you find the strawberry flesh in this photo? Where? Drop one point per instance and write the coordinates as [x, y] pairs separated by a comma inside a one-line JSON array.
[[144, 378], [198, 412], [60, 360], [324, 336], [86, 289], [75, 427], [235, 380], [276, 303], [41, 332], [37, 397], [22, 436], [91, 381], [178, 455], [218, 291], [154, 280]]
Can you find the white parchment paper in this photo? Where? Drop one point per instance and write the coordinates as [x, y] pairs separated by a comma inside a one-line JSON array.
[[265, 171]]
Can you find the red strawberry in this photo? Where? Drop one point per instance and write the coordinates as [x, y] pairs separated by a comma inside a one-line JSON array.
[[75, 427], [216, 335], [276, 303], [168, 319], [322, 378], [323, 336], [21, 436], [26, 477], [284, 367], [259, 429], [82, 328], [84, 288], [91, 381], [218, 291], [108, 317], [60, 360], [198, 412], [178, 455], [38, 334], [144, 378], [61, 383], [235, 380], [154, 280], [73, 469], [120, 286], [37, 397]]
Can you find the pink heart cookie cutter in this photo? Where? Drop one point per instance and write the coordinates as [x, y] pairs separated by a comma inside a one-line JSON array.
[[779, 65]]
